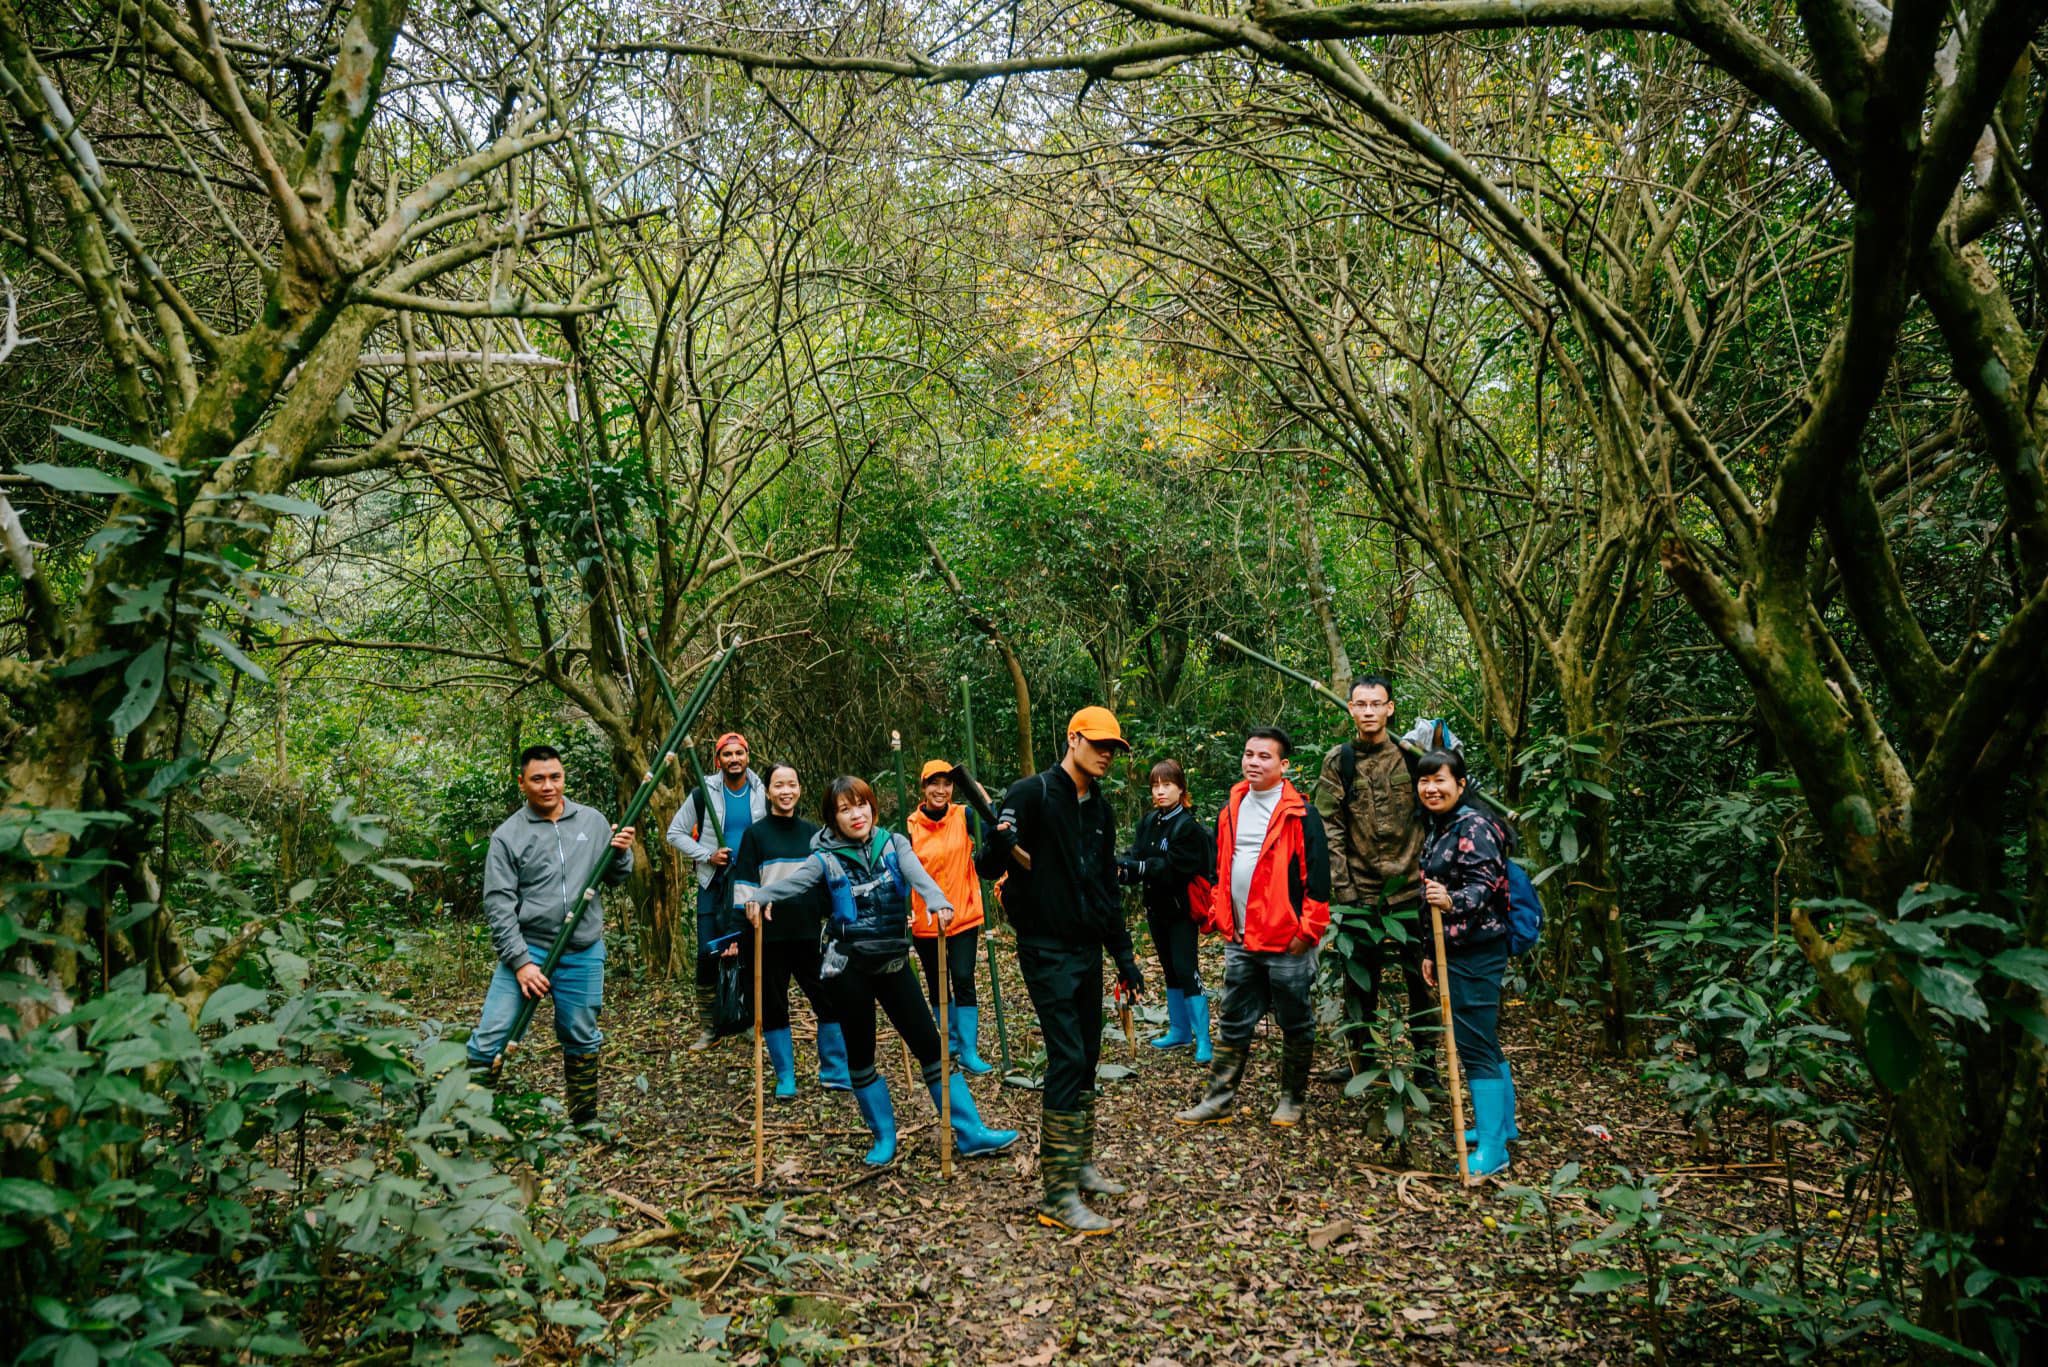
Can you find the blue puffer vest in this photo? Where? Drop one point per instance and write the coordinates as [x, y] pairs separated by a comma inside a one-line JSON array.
[[870, 898]]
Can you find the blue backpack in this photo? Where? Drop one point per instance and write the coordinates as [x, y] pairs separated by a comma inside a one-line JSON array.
[[1525, 910]]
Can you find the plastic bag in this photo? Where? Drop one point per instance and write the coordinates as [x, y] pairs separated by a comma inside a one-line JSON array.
[[731, 1012]]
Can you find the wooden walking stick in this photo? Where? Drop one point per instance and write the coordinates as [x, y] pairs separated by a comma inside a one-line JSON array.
[[945, 1061], [760, 1050], [1443, 997]]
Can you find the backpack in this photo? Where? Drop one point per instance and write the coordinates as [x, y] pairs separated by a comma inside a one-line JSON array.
[[1525, 910]]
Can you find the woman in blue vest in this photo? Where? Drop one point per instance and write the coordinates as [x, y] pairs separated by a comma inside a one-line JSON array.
[[868, 875]]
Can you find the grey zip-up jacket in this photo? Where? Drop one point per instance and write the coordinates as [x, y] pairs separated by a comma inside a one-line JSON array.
[[533, 871], [694, 837]]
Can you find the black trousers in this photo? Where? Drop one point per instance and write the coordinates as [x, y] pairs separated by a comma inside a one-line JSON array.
[[862, 987], [960, 951], [781, 961], [1065, 983], [1362, 1000], [1175, 938]]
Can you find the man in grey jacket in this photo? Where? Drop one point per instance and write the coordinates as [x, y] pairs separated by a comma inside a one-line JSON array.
[[539, 858], [706, 830]]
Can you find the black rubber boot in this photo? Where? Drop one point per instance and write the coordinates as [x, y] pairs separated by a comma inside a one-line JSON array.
[[1296, 1054], [1090, 1181], [1219, 1103], [579, 1077], [1059, 1164]]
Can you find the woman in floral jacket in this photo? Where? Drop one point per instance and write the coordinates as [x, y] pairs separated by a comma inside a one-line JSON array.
[[1465, 879]]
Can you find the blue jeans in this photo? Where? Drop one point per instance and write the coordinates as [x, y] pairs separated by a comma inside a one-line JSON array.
[[1475, 1005], [577, 989]]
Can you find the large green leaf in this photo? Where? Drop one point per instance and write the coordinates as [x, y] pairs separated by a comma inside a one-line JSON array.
[[1890, 1044], [145, 679], [1604, 1279], [78, 479]]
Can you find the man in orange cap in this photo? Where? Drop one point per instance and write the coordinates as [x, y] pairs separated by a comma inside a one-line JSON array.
[[940, 839], [1055, 838]]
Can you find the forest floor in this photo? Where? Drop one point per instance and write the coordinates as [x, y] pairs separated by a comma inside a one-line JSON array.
[[1240, 1243]]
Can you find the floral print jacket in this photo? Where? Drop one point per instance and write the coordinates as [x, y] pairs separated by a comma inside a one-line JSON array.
[[1465, 851]]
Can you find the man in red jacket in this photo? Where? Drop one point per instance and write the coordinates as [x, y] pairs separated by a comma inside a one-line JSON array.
[[1272, 904]]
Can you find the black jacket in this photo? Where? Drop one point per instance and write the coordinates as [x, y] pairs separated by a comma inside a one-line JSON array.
[[1069, 893], [1171, 849]]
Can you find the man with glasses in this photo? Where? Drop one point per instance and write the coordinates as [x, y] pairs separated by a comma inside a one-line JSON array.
[[1054, 843], [1367, 799]]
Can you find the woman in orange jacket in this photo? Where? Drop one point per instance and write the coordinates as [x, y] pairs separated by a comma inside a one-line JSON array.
[[939, 838]]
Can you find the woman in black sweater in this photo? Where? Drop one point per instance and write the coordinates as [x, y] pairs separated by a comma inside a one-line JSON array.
[[771, 848], [1169, 855]]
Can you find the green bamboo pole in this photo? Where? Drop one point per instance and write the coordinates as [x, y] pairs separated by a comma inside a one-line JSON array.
[[988, 895], [1322, 689], [635, 809]]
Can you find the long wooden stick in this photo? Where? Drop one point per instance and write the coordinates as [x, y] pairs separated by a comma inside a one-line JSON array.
[[1443, 997], [760, 1050], [945, 1063]]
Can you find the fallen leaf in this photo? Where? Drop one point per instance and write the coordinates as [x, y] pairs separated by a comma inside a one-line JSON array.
[[1320, 1239]]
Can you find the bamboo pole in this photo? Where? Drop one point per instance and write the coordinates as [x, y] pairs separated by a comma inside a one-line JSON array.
[[760, 1051], [635, 808], [1457, 1082], [988, 939], [945, 1062]]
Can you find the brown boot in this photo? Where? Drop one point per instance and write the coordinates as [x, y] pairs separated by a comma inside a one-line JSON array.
[[1219, 1103], [1296, 1053]]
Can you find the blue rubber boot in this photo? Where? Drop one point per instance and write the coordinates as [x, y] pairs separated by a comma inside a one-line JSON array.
[[1198, 1026], [971, 1138], [1491, 1108], [964, 1024], [782, 1053], [879, 1114], [1176, 1036], [1514, 1130], [832, 1074]]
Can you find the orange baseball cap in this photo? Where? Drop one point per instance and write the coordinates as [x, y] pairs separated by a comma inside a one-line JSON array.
[[934, 766], [1099, 725]]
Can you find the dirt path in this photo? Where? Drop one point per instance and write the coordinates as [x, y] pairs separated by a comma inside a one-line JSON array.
[[1241, 1243]]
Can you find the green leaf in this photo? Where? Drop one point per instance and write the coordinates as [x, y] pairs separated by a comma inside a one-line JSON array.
[[223, 1120], [141, 455], [285, 503], [145, 679], [76, 1351], [20, 1195], [1890, 1045], [1947, 989], [1568, 845], [1605, 1279], [220, 641], [235, 999], [1905, 1328], [78, 479], [2029, 966]]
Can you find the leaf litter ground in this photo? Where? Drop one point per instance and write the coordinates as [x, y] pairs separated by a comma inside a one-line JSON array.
[[1240, 1243]]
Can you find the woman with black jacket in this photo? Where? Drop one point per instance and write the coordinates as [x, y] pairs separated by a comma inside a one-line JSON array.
[[771, 847], [1465, 882], [1169, 853]]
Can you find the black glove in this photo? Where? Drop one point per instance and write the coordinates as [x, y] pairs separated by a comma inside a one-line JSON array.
[[1127, 973], [1129, 872]]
